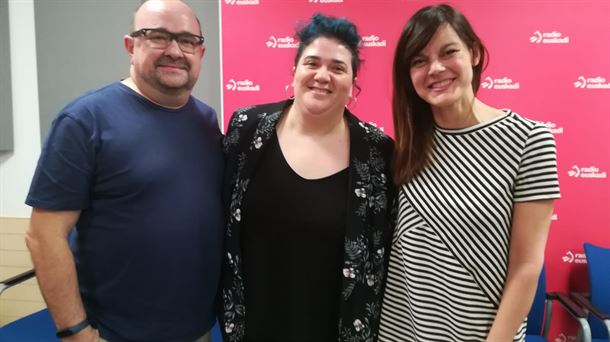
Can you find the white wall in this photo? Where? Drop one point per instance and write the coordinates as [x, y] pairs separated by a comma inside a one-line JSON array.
[[17, 168]]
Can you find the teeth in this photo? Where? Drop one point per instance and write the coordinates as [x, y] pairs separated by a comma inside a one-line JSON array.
[[321, 91], [441, 84]]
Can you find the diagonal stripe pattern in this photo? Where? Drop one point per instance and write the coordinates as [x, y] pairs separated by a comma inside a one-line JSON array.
[[450, 249]]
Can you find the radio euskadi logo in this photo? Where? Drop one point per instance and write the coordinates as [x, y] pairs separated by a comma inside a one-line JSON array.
[[574, 258], [598, 82], [552, 126], [549, 38], [282, 42], [373, 41], [503, 83], [242, 2], [565, 338], [244, 85], [326, 1], [586, 172]]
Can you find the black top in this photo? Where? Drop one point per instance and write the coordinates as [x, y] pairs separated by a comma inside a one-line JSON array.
[[292, 239], [369, 221]]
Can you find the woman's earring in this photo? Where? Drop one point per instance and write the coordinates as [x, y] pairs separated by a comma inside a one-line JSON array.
[[354, 98], [288, 86]]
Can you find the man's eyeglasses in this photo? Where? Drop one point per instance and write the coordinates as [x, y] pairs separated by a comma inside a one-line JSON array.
[[161, 39]]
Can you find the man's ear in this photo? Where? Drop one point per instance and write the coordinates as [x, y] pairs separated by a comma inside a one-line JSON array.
[[129, 43], [202, 52]]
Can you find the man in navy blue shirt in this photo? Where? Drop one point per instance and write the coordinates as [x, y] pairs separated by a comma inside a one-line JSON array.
[[134, 169]]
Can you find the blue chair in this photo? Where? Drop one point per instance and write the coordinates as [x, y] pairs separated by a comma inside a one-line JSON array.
[[539, 317], [598, 305], [535, 318], [39, 326]]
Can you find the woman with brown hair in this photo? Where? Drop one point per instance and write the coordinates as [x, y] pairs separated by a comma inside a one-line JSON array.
[[476, 194]]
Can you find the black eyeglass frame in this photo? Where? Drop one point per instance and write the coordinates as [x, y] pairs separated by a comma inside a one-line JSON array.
[[172, 36]]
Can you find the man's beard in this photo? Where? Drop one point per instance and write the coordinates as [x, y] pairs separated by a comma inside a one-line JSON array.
[[172, 88], [159, 79]]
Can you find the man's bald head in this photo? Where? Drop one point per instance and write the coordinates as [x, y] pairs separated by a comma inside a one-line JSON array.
[[148, 6]]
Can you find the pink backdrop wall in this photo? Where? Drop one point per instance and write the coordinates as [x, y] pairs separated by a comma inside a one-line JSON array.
[[550, 61]]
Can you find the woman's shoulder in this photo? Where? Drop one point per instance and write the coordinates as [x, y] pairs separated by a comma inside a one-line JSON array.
[[249, 121], [252, 114], [525, 123], [370, 131], [367, 138]]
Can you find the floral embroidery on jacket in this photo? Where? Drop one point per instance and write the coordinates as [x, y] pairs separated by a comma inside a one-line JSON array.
[[369, 223]]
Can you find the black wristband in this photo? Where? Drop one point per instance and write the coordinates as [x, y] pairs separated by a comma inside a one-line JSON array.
[[75, 329]]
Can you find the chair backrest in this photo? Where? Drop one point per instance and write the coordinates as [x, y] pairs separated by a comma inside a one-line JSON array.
[[37, 327], [598, 264], [535, 318]]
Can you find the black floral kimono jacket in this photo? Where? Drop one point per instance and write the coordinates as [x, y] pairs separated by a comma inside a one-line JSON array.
[[369, 222]]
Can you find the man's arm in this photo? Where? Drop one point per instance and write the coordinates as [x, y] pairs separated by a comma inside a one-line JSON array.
[[47, 240]]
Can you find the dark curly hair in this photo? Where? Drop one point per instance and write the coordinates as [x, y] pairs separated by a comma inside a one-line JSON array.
[[330, 27]]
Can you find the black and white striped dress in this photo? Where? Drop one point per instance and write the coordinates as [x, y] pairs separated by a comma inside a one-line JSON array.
[[450, 249]]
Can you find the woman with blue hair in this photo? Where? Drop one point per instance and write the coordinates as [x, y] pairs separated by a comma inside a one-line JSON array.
[[308, 197]]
